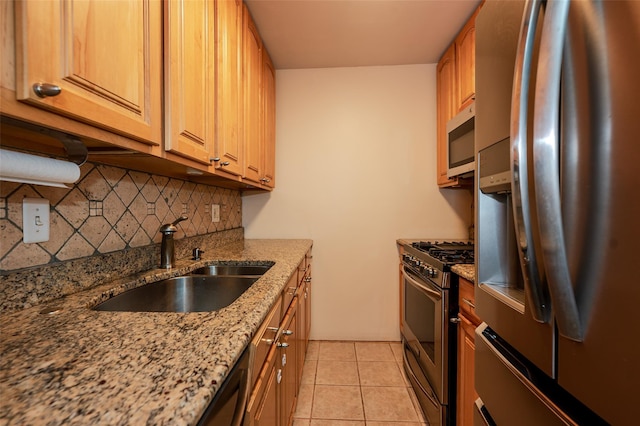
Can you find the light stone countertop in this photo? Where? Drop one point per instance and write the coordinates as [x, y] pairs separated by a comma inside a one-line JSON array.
[[80, 366], [465, 271]]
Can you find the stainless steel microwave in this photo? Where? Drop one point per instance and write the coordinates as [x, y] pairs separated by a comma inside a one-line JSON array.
[[460, 143]]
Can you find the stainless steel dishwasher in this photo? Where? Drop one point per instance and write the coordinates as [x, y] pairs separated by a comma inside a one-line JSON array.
[[228, 406]]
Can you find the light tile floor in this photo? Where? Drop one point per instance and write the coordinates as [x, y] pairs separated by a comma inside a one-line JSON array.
[[355, 384]]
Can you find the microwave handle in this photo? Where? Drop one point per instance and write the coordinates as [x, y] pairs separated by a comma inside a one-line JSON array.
[[531, 270], [547, 170]]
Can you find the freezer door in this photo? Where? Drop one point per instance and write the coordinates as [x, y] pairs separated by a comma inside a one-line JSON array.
[[600, 187], [515, 393]]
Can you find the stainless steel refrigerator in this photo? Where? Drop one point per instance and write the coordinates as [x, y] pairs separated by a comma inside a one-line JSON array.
[[558, 212]]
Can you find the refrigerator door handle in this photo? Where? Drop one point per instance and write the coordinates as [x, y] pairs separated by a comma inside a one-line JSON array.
[[533, 282], [546, 163]]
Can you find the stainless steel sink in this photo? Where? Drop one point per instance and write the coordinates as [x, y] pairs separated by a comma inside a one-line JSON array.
[[202, 293], [232, 270]]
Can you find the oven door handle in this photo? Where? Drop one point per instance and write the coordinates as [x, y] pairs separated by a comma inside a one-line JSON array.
[[433, 293]]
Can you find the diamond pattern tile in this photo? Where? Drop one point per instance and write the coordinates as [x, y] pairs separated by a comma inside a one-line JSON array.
[[74, 208], [111, 174], [110, 209], [59, 232], [94, 186], [75, 248], [113, 208], [126, 189], [95, 230]]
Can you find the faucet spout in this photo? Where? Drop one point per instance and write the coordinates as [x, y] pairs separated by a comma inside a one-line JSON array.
[[167, 247]]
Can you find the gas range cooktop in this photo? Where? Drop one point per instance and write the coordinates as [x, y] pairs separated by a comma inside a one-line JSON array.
[[447, 252], [432, 260]]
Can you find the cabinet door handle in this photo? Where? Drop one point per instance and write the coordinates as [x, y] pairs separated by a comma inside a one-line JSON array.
[[282, 345], [454, 320], [44, 90], [287, 332], [468, 302], [224, 163]]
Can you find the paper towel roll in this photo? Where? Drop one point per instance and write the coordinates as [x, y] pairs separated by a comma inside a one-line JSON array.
[[36, 170]]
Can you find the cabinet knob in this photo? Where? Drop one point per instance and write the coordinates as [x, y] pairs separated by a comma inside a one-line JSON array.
[[214, 159], [454, 320], [282, 345], [44, 90], [225, 163], [287, 332]]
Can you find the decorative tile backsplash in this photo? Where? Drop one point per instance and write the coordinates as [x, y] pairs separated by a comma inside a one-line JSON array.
[[107, 210]]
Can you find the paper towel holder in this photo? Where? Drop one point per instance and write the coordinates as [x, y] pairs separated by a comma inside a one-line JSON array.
[[76, 150]]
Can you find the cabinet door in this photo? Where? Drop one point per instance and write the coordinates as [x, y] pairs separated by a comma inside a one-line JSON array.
[[290, 380], [466, 63], [104, 56], [446, 109], [269, 120], [190, 78], [229, 85], [466, 366], [302, 336], [252, 77], [263, 407]]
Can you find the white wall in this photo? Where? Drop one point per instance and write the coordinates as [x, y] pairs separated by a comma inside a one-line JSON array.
[[355, 170]]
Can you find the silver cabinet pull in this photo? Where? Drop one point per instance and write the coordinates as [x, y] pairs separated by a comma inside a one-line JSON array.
[[44, 90], [225, 163], [282, 345], [214, 159], [307, 279], [287, 332], [454, 320], [468, 302]]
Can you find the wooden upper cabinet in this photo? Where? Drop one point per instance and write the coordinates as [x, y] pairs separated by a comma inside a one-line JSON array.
[[190, 58], [269, 120], [466, 63], [252, 78], [104, 56], [446, 109], [228, 148], [456, 89]]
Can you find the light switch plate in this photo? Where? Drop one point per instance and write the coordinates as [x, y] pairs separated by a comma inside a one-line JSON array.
[[35, 220], [215, 212]]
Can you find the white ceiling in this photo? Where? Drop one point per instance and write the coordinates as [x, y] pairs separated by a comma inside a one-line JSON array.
[[350, 33]]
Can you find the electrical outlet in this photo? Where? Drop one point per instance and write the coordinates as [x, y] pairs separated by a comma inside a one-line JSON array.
[[215, 212], [35, 220]]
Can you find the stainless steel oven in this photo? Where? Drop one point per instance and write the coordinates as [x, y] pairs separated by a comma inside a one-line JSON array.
[[425, 327], [429, 331]]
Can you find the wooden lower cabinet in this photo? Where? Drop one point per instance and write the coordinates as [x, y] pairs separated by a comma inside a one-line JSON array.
[[263, 409], [279, 349], [466, 389], [289, 364], [466, 394]]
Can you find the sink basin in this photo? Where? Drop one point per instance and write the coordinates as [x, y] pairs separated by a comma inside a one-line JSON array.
[[232, 270], [204, 293]]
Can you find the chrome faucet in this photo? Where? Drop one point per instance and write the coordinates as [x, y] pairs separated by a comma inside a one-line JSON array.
[[167, 248]]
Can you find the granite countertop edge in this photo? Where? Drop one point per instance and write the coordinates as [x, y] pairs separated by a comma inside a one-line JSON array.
[[80, 366]]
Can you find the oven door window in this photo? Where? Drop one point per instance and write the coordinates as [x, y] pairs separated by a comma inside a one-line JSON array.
[[421, 311]]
